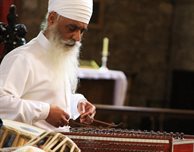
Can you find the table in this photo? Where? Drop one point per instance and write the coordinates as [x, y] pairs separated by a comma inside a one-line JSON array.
[[119, 77]]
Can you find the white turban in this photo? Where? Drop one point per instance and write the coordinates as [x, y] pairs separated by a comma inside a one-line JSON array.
[[79, 10]]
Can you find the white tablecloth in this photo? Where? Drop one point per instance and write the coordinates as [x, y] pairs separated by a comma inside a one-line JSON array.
[[120, 87]]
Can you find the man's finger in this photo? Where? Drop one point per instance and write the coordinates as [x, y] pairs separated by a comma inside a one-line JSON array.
[[82, 107], [93, 114], [65, 119]]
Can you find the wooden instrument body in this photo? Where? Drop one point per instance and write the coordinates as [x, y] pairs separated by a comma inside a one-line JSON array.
[[116, 140], [186, 145]]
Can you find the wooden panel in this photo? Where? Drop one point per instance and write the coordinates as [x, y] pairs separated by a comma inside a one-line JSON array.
[[99, 91], [183, 148], [182, 94], [156, 118]]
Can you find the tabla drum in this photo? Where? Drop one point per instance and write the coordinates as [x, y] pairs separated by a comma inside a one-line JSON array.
[[54, 142], [15, 134]]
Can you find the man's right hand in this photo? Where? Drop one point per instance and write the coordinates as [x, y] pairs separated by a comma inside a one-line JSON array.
[[57, 117]]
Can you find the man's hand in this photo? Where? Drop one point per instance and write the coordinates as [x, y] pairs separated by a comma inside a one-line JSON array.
[[57, 117], [87, 112]]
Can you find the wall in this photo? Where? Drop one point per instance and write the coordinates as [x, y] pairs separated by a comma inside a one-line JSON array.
[[148, 39], [183, 35], [139, 33]]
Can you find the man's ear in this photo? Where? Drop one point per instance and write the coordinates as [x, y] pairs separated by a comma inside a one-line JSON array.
[[52, 18]]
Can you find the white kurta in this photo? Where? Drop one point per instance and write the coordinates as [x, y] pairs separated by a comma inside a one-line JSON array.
[[27, 86]]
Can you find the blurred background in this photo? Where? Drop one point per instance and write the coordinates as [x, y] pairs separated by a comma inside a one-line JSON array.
[[150, 41]]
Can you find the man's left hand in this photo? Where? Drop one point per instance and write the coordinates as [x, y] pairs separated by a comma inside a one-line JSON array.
[[87, 112]]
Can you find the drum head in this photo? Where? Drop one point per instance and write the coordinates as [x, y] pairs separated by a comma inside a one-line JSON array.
[[23, 128], [15, 134]]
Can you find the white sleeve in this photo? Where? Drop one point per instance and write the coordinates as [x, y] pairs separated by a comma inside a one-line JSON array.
[[75, 99], [15, 73]]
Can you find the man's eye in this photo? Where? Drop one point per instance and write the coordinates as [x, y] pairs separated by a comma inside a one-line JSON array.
[[72, 28]]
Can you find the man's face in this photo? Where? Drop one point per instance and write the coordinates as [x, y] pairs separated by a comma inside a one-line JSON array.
[[69, 30]]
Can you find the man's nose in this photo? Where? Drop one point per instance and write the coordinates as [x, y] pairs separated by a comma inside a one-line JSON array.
[[77, 35]]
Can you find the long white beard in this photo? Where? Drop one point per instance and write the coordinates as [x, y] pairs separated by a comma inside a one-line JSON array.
[[64, 61]]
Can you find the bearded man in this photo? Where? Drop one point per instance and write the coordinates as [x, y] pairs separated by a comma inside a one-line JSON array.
[[38, 80]]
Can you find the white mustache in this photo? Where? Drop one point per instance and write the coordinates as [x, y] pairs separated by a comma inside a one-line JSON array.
[[69, 42]]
